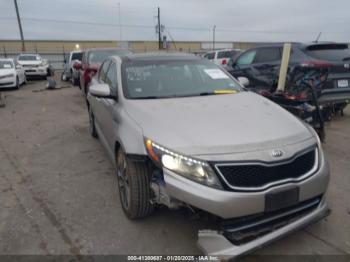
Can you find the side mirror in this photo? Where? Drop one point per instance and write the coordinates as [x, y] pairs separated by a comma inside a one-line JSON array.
[[101, 91], [77, 65], [18, 67], [243, 81]]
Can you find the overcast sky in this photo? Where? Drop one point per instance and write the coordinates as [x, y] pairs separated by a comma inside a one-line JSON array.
[[244, 20]]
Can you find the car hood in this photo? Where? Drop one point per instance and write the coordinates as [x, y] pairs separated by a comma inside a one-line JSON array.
[[7, 71], [217, 124], [32, 62]]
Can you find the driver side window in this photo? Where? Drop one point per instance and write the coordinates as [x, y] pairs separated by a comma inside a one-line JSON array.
[[111, 78], [103, 71], [247, 58]]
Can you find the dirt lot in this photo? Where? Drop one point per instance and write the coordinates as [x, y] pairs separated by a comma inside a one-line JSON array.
[[57, 191]]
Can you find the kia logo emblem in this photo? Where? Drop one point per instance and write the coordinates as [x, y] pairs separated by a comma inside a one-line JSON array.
[[276, 153], [346, 65]]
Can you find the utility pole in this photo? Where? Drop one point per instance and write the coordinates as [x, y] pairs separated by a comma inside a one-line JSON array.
[[20, 26], [120, 23], [214, 27], [159, 31]]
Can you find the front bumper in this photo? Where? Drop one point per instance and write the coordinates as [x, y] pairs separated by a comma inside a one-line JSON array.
[[230, 204], [216, 244], [7, 82], [36, 71]]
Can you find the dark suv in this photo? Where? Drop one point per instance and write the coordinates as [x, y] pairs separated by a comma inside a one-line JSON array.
[[325, 66]]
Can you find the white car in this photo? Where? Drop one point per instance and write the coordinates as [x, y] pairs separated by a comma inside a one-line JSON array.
[[11, 75], [33, 65], [69, 73], [221, 57]]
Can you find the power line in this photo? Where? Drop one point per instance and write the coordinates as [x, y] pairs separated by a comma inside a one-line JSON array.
[[173, 28]]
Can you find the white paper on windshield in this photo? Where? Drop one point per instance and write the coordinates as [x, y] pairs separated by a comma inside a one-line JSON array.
[[7, 66], [216, 74]]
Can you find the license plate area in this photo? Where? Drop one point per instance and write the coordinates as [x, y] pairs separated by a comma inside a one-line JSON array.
[[343, 83], [282, 199]]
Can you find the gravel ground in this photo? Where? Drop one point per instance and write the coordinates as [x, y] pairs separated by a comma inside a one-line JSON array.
[[57, 188]]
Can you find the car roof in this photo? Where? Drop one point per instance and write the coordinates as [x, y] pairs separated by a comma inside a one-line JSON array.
[[157, 56], [6, 59], [28, 54], [295, 44], [103, 48]]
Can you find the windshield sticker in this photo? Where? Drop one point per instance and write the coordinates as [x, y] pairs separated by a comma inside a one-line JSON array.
[[7, 66], [216, 74], [225, 91]]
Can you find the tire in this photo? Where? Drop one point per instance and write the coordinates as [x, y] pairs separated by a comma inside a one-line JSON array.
[[75, 81], [17, 83], [25, 80], [134, 187], [92, 127]]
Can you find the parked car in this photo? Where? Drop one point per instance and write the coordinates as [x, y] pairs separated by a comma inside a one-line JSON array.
[[11, 75], [91, 62], [325, 64], [221, 57], [69, 73], [182, 132], [34, 65]]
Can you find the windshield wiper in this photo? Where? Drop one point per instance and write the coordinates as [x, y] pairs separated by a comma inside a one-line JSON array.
[[147, 97], [207, 93]]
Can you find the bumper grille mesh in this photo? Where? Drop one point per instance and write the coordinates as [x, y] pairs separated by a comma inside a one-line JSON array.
[[258, 175]]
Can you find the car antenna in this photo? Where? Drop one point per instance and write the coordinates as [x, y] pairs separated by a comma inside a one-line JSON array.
[[318, 37]]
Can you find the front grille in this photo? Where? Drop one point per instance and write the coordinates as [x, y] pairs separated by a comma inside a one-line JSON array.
[[255, 176], [30, 65], [244, 229], [6, 84]]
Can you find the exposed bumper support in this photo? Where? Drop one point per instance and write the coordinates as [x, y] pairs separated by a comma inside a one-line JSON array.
[[214, 243]]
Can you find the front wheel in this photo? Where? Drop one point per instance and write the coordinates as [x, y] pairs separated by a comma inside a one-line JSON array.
[[134, 187], [92, 127], [17, 83]]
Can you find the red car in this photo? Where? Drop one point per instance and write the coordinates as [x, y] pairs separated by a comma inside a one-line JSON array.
[[91, 62]]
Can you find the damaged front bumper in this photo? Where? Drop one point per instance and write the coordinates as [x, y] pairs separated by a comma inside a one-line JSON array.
[[220, 243]]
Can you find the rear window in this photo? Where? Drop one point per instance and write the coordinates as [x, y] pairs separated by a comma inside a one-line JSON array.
[[226, 54], [77, 56], [333, 52]]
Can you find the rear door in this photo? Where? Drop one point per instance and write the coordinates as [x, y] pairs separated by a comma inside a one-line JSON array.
[[242, 66], [266, 65], [337, 86]]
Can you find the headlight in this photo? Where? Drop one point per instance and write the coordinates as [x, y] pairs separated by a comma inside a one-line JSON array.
[[6, 76], [196, 170]]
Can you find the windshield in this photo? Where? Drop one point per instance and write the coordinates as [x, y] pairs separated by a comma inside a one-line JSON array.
[[332, 52], [6, 65], [98, 56], [29, 58], [164, 79], [77, 56]]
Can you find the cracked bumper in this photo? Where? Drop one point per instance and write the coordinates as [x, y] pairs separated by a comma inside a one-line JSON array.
[[214, 243]]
